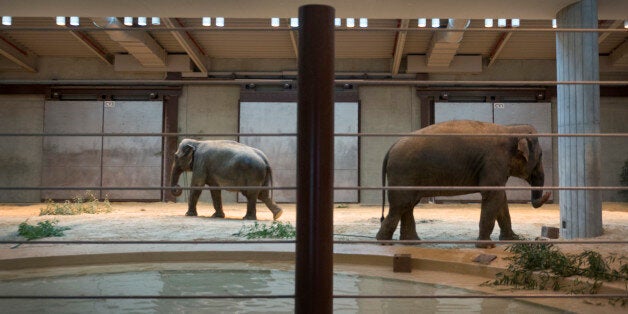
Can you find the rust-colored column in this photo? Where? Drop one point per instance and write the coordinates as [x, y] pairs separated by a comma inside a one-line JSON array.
[[170, 125], [315, 158]]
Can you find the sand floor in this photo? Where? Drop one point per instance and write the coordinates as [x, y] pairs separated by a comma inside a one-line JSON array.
[[166, 221]]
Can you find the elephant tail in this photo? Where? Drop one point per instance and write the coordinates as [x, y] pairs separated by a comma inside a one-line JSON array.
[[384, 166], [269, 182]]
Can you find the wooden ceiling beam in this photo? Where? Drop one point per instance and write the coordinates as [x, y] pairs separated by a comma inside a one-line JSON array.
[[93, 46], [17, 55], [499, 46], [189, 44], [400, 43]]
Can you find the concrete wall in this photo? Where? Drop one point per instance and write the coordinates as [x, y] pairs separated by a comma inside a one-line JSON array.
[[614, 152], [208, 109], [383, 110], [21, 157]]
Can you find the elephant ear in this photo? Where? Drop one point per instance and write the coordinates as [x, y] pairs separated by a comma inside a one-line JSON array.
[[188, 153], [523, 149]]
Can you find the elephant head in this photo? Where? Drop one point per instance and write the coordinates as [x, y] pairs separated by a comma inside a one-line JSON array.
[[528, 165], [183, 159]]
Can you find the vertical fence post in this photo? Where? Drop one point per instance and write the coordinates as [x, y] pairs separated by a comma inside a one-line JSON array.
[[315, 113]]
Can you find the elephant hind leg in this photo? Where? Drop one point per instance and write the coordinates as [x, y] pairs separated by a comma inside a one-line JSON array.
[[408, 226], [217, 201], [251, 203], [493, 203], [264, 196]]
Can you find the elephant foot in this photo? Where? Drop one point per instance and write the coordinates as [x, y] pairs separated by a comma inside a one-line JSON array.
[[510, 236], [277, 214], [191, 213], [384, 236], [485, 245], [218, 215], [249, 217]]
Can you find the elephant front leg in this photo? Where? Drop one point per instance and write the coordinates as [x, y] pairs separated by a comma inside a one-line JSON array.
[[217, 201], [492, 202], [194, 195], [505, 227]]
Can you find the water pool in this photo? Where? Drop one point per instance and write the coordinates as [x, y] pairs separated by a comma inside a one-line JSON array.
[[233, 279]]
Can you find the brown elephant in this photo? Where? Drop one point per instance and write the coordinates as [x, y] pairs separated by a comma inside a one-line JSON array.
[[460, 161], [224, 163]]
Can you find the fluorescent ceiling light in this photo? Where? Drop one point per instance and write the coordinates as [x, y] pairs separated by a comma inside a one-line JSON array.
[[220, 21], [422, 22]]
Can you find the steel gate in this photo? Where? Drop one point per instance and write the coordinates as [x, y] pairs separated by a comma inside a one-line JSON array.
[[102, 161]]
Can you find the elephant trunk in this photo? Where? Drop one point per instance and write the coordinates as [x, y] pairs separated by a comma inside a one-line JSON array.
[[174, 180], [538, 179]]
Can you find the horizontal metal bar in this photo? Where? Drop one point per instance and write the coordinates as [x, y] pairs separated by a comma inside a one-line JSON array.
[[435, 83], [470, 189], [153, 134], [342, 296], [377, 242], [338, 29]]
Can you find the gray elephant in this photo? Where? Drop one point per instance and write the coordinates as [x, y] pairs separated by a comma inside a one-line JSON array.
[[224, 163], [460, 161]]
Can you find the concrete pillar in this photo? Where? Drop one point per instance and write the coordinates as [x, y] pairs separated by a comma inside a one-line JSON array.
[[579, 112]]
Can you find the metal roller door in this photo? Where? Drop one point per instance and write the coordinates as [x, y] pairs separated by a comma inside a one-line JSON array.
[[281, 117], [97, 161], [536, 114]]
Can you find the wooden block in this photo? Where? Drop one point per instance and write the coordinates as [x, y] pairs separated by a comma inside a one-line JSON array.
[[550, 232], [402, 263]]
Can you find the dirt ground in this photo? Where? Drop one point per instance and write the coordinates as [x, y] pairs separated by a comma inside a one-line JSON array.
[[166, 221]]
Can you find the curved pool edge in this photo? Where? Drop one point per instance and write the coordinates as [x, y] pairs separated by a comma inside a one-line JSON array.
[[429, 265]]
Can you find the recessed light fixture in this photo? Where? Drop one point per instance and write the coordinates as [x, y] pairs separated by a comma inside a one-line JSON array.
[[220, 21]]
